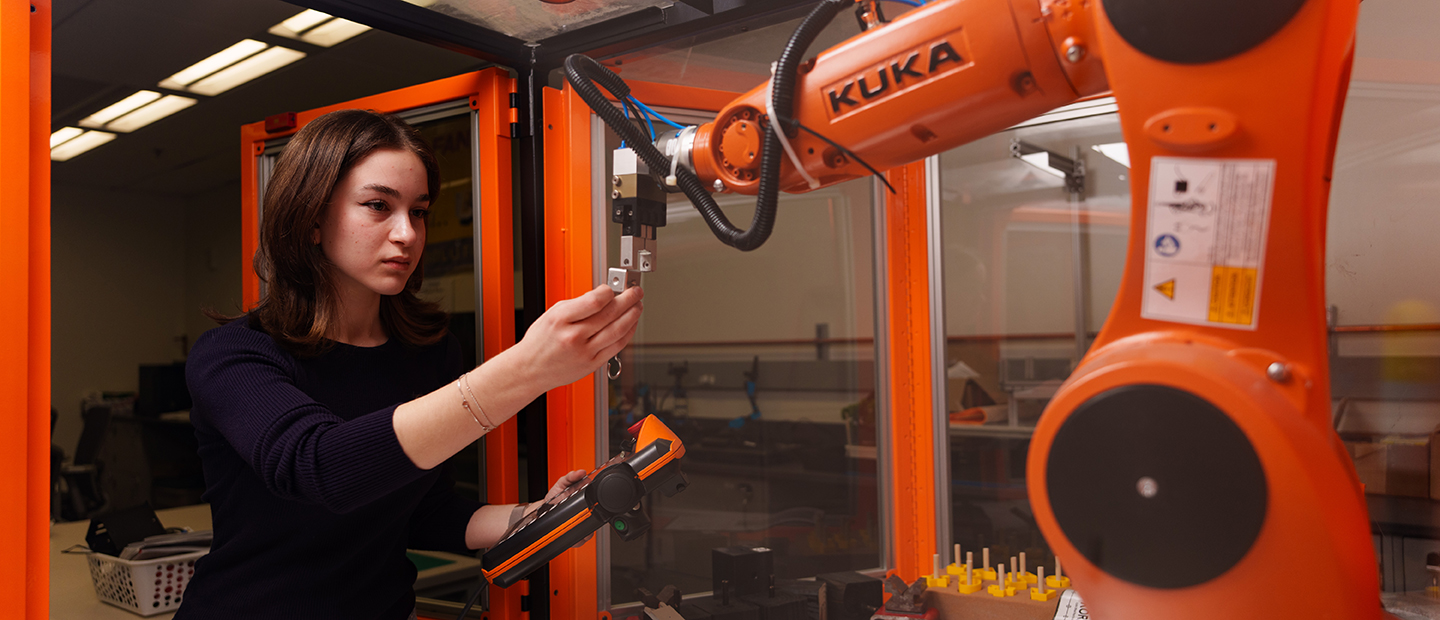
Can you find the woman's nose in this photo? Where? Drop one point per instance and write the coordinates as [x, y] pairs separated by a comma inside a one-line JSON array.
[[402, 231]]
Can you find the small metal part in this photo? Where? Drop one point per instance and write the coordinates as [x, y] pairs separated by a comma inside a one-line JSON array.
[[615, 194], [616, 180], [1147, 487], [719, 185], [621, 279], [1075, 53], [1278, 372], [613, 368]]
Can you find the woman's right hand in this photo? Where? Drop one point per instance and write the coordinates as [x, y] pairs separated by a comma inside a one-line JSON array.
[[576, 336]]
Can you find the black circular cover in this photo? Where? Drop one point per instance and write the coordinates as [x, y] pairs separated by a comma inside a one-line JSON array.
[[617, 492], [1198, 31], [1206, 490]]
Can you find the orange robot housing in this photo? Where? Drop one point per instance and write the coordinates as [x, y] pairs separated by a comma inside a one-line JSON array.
[[1190, 459]]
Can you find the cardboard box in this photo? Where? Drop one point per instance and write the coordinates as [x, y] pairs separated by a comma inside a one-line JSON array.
[[1394, 465]]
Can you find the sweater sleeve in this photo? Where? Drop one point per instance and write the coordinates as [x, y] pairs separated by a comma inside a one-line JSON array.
[[243, 387], [440, 520]]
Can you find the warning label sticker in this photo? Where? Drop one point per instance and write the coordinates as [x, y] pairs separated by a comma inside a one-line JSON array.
[[1205, 236], [1071, 607]]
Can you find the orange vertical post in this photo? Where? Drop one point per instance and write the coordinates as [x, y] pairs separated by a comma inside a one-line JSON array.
[[906, 269], [37, 548], [25, 308], [497, 297], [569, 269]]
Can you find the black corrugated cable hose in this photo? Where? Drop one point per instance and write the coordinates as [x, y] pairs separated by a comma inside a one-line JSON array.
[[584, 73]]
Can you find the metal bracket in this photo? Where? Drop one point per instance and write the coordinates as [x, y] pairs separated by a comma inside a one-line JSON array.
[[1072, 169]]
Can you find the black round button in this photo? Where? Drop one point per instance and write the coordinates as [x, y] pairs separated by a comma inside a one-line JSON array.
[[1198, 31], [1156, 486], [617, 493]]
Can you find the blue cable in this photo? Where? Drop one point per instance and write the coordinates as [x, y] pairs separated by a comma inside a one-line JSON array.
[[660, 116], [908, 2], [648, 123]]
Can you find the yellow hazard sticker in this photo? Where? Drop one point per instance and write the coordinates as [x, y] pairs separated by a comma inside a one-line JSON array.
[[1232, 295], [1206, 225]]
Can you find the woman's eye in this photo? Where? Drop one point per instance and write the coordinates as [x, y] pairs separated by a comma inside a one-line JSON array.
[[420, 213], [376, 205]]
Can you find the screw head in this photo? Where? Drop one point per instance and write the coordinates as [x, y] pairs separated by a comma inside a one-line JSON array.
[[1075, 53], [1147, 487], [615, 194], [719, 185], [1278, 372], [615, 180]]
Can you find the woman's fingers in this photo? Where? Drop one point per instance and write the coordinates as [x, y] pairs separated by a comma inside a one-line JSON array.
[[617, 328], [616, 347], [616, 308], [584, 306]]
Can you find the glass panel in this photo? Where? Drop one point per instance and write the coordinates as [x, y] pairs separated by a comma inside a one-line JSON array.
[[533, 20], [736, 63], [1385, 352], [449, 259], [763, 363], [1021, 254]]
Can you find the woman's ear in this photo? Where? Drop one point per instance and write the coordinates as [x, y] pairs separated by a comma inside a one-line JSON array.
[[315, 234]]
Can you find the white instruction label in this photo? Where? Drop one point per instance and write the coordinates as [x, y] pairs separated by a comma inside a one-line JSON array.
[[1205, 240], [1071, 607]]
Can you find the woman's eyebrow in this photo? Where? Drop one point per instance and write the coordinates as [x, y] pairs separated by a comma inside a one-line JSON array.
[[392, 192]]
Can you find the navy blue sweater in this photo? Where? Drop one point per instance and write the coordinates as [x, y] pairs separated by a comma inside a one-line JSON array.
[[313, 500]]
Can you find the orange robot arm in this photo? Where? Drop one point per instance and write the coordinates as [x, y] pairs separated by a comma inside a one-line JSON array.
[[1189, 463], [934, 79]]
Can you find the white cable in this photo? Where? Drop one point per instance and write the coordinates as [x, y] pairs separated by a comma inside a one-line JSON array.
[[784, 142]]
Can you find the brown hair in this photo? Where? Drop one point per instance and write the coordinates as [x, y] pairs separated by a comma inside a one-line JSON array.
[[300, 302]]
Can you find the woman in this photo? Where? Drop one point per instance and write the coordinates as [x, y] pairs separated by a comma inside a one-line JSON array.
[[325, 414]]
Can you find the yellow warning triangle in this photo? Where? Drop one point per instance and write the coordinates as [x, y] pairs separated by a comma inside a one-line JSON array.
[[1167, 288]]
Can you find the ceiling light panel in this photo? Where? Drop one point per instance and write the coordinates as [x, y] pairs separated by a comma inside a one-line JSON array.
[[1116, 151], [78, 145], [301, 22], [246, 70], [63, 135], [162, 108], [226, 57], [332, 32], [119, 108]]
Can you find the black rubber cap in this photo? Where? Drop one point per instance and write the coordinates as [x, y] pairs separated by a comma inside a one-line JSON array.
[[617, 493], [1156, 486], [1198, 31]]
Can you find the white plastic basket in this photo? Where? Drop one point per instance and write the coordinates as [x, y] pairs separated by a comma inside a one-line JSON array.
[[146, 587]]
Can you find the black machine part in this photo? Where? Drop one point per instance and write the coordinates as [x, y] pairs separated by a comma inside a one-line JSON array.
[[610, 494], [583, 73]]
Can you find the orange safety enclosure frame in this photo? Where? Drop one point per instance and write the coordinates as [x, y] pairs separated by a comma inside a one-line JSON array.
[[25, 309], [570, 271], [488, 92]]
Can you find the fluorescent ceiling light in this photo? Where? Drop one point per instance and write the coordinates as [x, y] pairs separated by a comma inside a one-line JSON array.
[[150, 113], [246, 70], [63, 135], [120, 108], [226, 57], [76, 146], [301, 22], [332, 32], [1041, 160], [1116, 151]]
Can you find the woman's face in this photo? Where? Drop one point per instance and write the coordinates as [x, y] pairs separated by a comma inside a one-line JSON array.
[[373, 230]]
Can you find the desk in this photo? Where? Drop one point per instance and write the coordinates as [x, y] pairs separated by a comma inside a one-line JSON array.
[[72, 596]]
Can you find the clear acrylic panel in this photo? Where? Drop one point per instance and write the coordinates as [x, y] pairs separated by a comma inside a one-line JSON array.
[[1031, 271], [533, 20], [763, 363]]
